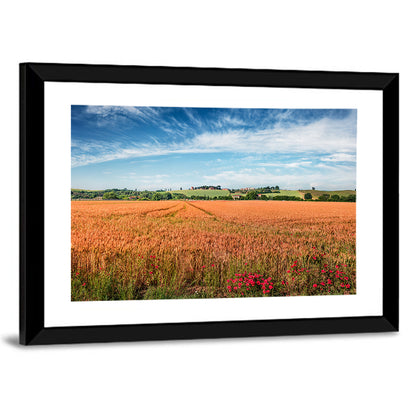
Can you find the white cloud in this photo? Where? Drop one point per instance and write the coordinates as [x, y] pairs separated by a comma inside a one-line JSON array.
[[339, 157], [302, 163], [340, 178], [336, 137]]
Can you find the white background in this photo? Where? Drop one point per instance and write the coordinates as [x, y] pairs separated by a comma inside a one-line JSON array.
[[59, 310], [314, 375]]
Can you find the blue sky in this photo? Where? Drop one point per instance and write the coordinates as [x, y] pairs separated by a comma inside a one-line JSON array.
[[171, 147]]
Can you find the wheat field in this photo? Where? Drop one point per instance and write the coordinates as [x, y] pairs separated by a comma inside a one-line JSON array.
[[204, 249]]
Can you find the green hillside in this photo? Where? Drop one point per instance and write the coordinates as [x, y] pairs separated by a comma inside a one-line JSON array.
[[317, 194], [284, 192], [203, 192]]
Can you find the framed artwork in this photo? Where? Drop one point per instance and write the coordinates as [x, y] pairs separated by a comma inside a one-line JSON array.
[[177, 203]]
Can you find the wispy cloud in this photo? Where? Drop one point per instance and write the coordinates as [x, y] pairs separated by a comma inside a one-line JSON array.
[[339, 178], [113, 115], [213, 145], [339, 157], [292, 165], [322, 136]]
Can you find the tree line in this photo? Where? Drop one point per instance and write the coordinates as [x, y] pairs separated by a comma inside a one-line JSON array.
[[254, 194]]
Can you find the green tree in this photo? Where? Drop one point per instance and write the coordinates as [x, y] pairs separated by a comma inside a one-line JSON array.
[[335, 197], [251, 195], [324, 197], [156, 197], [308, 195], [264, 198], [110, 195]]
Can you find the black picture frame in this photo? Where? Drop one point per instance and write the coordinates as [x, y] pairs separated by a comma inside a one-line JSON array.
[[32, 80]]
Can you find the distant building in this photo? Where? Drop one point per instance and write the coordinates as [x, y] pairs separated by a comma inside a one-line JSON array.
[[236, 196]]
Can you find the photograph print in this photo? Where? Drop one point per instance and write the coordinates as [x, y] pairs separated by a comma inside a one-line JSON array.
[[191, 203]]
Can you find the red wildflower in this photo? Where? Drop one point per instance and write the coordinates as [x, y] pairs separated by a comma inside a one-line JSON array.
[[315, 285]]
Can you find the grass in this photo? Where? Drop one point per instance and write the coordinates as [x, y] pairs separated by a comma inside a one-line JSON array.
[[317, 194], [286, 193], [203, 192], [206, 249]]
